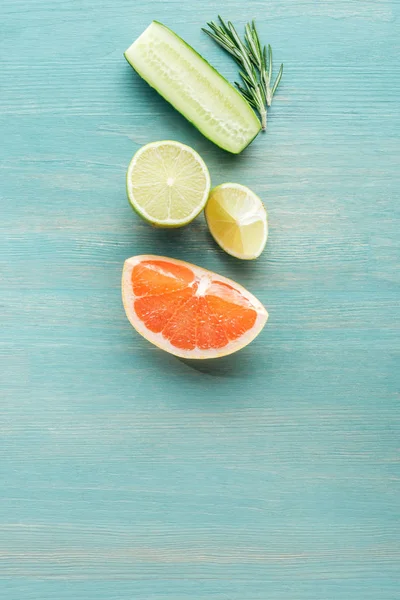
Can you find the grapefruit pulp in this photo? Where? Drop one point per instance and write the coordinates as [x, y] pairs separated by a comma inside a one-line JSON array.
[[187, 310]]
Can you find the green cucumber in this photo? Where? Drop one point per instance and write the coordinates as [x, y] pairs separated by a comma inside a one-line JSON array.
[[193, 87]]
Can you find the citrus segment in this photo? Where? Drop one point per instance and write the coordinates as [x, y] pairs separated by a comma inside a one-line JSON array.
[[237, 220], [155, 277], [167, 183], [188, 311]]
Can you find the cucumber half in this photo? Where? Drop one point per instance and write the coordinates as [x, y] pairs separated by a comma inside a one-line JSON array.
[[193, 87]]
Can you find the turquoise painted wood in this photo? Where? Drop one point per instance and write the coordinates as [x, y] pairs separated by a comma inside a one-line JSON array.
[[126, 473]]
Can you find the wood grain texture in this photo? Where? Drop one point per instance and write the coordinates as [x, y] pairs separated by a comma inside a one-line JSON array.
[[126, 473]]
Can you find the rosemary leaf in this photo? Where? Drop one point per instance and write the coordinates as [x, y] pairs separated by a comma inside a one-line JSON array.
[[269, 63], [277, 81], [254, 60]]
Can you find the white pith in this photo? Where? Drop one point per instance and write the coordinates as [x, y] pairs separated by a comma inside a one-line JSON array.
[[204, 284]]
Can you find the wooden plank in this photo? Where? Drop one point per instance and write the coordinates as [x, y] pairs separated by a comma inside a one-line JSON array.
[[126, 473]]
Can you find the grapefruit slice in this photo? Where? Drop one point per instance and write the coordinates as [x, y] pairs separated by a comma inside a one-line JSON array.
[[189, 311]]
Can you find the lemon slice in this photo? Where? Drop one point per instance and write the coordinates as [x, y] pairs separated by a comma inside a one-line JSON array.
[[237, 220], [167, 183]]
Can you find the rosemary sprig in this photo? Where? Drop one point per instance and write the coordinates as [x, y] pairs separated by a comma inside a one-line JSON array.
[[255, 64]]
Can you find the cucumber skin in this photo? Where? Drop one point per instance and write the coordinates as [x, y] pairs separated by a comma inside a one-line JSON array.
[[217, 72]]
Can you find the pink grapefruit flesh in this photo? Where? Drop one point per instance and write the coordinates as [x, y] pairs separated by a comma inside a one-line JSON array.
[[187, 310]]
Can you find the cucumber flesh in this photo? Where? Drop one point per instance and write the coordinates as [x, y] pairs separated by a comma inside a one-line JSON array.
[[193, 87]]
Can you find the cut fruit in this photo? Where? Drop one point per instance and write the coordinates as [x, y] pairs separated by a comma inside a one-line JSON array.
[[193, 87], [167, 183], [188, 311], [237, 220]]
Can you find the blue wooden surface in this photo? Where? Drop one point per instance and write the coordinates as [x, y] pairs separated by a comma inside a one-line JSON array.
[[129, 474]]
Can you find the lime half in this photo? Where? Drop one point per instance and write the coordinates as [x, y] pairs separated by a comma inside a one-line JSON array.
[[167, 183], [237, 220]]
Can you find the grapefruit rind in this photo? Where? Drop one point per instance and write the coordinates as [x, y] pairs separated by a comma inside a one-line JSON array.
[[128, 298]]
